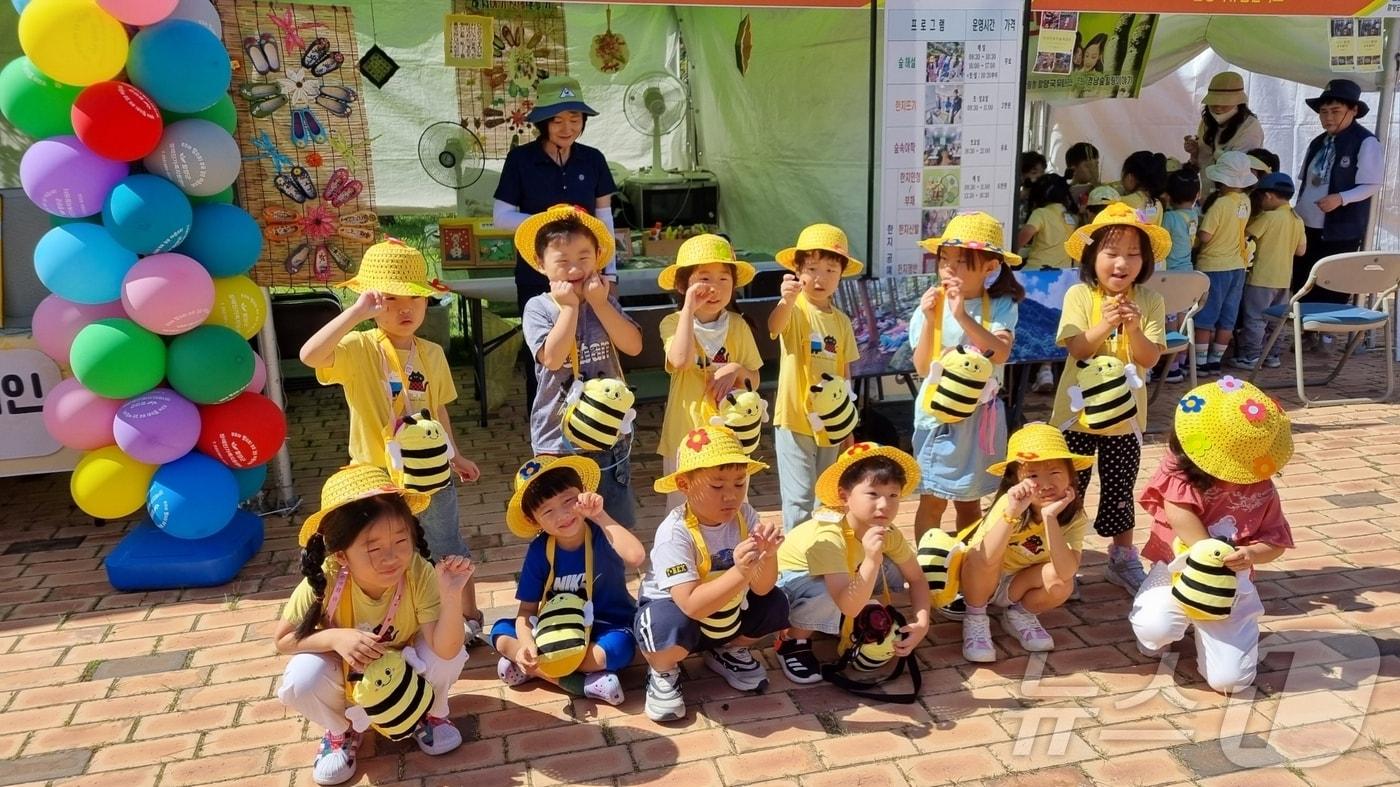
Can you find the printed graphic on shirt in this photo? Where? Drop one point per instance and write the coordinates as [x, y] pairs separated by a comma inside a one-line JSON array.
[[820, 344], [721, 357], [417, 388], [1033, 545], [675, 571], [595, 352], [1237, 499], [570, 583]]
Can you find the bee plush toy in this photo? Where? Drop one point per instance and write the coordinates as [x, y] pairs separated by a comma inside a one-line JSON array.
[[564, 620], [743, 413], [1201, 582], [598, 413], [959, 382], [392, 696], [1103, 393], [940, 556], [832, 410], [419, 454]]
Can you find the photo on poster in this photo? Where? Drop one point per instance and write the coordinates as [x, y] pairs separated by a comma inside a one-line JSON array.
[[942, 146], [1052, 63], [942, 187], [1059, 20], [945, 61], [1344, 63], [1343, 26], [936, 220], [1367, 28], [942, 104]]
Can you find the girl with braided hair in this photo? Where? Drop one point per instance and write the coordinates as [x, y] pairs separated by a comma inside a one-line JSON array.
[[368, 588]]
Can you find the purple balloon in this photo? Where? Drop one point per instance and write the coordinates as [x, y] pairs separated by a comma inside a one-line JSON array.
[[156, 427], [63, 177]]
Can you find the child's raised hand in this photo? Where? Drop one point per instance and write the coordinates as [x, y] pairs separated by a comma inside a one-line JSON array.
[[1113, 312], [589, 505], [465, 468], [722, 380], [595, 290], [768, 533], [1129, 313], [369, 302], [746, 556], [1018, 497], [874, 543], [453, 573], [1054, 508], [1240, 560], [928, 302], [358, 648], [698, 293], [789, 288], [914, 632], [563, 293], [952, 290], [528, 656]]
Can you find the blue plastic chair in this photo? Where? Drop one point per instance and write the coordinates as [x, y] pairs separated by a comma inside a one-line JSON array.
[[1369, 277]]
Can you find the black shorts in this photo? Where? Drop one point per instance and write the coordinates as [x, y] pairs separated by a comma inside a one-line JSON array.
[[661, 623]]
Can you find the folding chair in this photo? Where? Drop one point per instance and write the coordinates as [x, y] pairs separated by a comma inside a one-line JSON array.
[[1183, 292], [1361, 273]]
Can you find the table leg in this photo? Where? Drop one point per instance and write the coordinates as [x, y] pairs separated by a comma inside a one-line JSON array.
[[479, 355]]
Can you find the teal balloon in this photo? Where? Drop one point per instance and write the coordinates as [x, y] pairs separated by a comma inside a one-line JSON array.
[[224, 239], [82, 263], [117, 358], [224, 197], [210, 364], [147, 214], [250, 480], [224, 113], [34, 103]]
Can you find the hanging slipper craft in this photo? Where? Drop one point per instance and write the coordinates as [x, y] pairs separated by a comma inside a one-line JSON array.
[[609, 53], [297, 258], [263, 98], [743, 45], [320, 48], [271, 53], [336, 99], [321, 264], [289, 188], [331, 63], [304, 181], [341, 259], [252, 47]]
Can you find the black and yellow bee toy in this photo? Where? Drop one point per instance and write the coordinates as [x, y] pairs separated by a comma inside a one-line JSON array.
[[744, 413], [419, 454], [391, 696], [562, 625], [832, 410], [959, 382], [1103, 393], [1202, 583], [940, 556], [598, 413]]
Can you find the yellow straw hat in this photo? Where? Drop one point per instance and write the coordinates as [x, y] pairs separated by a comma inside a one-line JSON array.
[[703, 250], [394, 268], [1039, 442], [529, 229], [1119, 213], [707, 446], [516, 520], [357, 482], [974, 231], [1234, 431], [821, 237], [1102, 196], [829, 483]]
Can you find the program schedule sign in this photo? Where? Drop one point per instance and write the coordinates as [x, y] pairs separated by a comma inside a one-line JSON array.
[[952, 108]]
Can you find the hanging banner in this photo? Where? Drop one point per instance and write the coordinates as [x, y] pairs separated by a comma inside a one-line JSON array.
[[1239, 7], [1080, 55], [527, 44], [305, 141], [1354, 45], [951, 121]]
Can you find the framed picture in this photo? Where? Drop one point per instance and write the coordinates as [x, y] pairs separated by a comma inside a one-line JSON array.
[[457, 238], [494, 248], [467, 41]]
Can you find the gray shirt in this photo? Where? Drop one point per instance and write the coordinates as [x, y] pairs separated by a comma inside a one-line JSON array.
[[596, 357], [674, 556]]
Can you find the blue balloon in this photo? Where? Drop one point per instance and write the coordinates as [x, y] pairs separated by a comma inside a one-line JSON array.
[[147, 214], [250, 481], [180, 64], [224, 239], [19, 4], [192, 497], [82, 263]]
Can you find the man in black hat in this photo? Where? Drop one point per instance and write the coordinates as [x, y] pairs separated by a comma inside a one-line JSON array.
[[1341, 172]]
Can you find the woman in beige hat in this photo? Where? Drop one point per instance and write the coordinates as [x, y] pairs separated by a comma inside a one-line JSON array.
[[1226, 123]]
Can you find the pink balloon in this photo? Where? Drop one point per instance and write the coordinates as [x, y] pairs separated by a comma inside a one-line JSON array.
[[259, 381], [79, 418], [57, 321], [156, 427], [139, 12], [168, 293]]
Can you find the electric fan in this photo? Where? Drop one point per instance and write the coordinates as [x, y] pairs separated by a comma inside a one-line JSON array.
[[452, 155], [655, 103]]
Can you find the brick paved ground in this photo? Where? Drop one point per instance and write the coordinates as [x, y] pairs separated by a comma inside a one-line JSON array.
[[176, 688]]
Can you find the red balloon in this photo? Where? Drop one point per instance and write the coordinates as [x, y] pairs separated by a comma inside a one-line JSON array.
[[243, 432], [117, 120]]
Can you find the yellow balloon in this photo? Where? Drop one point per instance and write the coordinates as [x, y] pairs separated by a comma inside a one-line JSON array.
[[73, 41], [239, 304], [108, 484]]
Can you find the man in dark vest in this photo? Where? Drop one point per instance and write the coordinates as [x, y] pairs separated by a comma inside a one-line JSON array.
[[1341, 172]]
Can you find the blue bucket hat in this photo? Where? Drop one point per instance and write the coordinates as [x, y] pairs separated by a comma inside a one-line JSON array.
[[555, 95], [1278, 182]]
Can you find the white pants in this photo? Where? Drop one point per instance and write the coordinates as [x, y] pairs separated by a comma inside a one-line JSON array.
[[1227, 651], [313, 686]]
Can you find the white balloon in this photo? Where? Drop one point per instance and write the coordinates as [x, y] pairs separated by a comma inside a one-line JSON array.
[[197, 155], [201, 11]]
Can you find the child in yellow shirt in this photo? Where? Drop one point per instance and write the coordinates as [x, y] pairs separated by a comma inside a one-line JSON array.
[[1279, 237], [817, 339], [1222, 257]]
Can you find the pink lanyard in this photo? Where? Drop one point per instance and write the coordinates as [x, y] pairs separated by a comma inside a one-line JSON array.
[[334, 602]]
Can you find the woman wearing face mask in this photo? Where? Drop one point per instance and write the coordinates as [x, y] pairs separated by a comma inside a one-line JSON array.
[[1226, 124]]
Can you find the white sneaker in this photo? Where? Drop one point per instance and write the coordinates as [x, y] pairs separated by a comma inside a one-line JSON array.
[[436, 736], [738, 667], [335, 762], [977, 639], [664, 699], [1025, 627], [1044, 380], [1125, 568], [475, 634]]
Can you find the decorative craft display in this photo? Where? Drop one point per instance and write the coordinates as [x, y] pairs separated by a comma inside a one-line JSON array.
[[466, 40], [304, 139], [527, 44]]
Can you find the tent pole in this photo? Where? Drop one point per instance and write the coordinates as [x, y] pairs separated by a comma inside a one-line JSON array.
[[1383, 126], [272, 359], [872, 221]]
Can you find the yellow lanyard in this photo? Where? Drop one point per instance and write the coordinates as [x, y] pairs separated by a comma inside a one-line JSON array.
[[391, 358], [938, 321], [702, 561], [853, 557], [587, 564]]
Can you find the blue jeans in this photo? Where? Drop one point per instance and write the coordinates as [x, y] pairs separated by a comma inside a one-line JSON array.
[[800, 462], [441, 523], [616, 483], [1252, 327], [810, 605], [1222, 306]]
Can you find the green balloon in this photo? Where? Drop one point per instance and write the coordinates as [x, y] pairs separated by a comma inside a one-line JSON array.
[[222, 113], [59, 221], [33, 102], [210, 364], [118, 359], [225, 196]]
